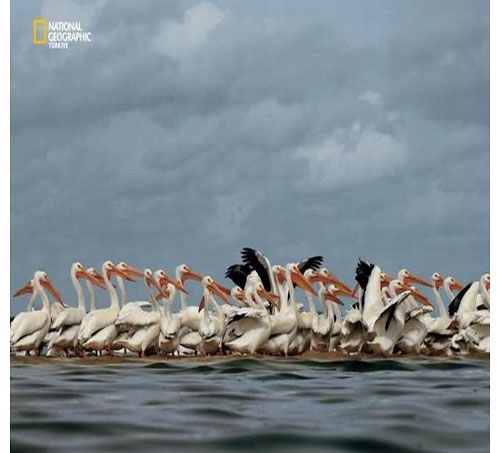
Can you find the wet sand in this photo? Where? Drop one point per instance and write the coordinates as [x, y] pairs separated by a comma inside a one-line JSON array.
[[307, 356]]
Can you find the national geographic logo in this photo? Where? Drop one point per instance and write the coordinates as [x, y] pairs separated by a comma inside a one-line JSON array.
[[59, 34], [40, 31]]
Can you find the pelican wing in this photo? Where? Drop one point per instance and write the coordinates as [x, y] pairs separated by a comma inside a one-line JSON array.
[[238, 273], [258, 262], [313, 262], [137, 318], [68, 317], [30, 322]]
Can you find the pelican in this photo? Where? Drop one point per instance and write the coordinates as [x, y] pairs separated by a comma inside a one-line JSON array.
[[388, 325], [322, 324], [170, 325], [440, 329], [145, 325], [130, 272], [284, 322], [416, 306], [26, 289], [98, 330], [28, 333], [248, 328], [67, 323], [212, 325]]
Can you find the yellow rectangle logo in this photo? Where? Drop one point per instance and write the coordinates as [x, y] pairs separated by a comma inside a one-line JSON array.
[[40, 31]]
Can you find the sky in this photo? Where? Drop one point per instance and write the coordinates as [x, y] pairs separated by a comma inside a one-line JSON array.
[[187, 130]]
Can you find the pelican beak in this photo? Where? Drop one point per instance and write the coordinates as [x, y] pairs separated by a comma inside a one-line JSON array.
[[202, 304], [133, 271], [420, 297], [417, 280], [302, 282], [458, 286], [269, 296], [354, 291], [152, 281], [225, 290], [329, 278], [214, 288], [191, 275], [116, 271], [487, 286], [333, 298], [87, 276], [174, 282], [281, 277], [26, 289], [346, 292], [439, 283], [57, 295]]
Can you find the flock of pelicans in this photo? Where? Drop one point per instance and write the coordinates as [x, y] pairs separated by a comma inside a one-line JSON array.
[[260, 314]]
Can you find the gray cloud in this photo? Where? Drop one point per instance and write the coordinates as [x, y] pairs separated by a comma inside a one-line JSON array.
[[187, 130]]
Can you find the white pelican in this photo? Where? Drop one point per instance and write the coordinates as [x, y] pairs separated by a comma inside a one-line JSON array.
[[28, 333], [212, 325], [170, 325], [98, 330], [248, 328], [130, 272], [284, 322], [322, 324], [473, 324], [145, 325], [363, 314], [68, 320], [190, 316], [441, 328], [26, 289], [90, 287], [416, 306]]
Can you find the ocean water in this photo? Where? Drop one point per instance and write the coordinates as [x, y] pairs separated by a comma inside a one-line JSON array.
[[247, 404]]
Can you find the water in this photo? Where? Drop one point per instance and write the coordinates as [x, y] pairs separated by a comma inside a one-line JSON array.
[[243, 404]]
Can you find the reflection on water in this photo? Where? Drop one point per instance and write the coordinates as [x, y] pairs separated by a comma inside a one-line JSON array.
[[288, 405]]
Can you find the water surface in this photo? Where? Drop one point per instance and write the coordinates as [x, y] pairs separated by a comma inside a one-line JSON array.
[[247, 404]]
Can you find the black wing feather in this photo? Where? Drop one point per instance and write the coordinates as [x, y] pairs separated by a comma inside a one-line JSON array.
[[363, 272], [238, 273], [257, 262], [455, 303], [313, 262]]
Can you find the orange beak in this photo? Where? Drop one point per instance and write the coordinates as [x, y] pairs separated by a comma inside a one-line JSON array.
[[152, 282], [116, 271], [214, 288], [202, 304], [355, 290], [302, 282], [439, 283], [417, 280], [329, 278], [419, 296], [48, 285], [26, 289], [132, 271], [333, 298], [457, 286], [271, 297], [223, 288], [191, 275], [87, 276], [167, 279]]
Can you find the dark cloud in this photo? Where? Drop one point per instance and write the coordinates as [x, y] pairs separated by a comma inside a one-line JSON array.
[[187, 130]]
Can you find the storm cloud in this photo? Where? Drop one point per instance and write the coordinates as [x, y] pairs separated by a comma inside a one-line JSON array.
[[187, 130]]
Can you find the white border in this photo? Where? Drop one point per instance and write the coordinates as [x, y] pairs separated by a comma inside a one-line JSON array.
[[494, 218], [5, 222]]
